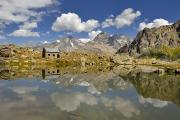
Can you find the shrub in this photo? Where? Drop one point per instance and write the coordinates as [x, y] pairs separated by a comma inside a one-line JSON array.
[[164, 52], [155, 52], [171, 53]]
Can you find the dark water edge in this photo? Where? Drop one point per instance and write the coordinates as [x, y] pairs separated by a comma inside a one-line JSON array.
[[94, 93]]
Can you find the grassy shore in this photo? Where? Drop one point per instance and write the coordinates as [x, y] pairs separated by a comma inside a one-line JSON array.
[[127, 60]]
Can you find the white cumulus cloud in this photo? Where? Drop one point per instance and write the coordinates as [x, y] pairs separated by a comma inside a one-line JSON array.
[[72, 22], [93, 34], [71, 101], [28, 25], [154, 23], [25, 30], [126, 18], [21, 10], [154, 102], [24, 33]]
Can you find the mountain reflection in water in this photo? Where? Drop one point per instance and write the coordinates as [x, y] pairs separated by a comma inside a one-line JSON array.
[[90, 94]]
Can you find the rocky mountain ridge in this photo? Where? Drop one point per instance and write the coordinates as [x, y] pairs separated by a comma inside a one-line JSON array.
[[116, 41], [103, 43], [168, 35], [67, 44]]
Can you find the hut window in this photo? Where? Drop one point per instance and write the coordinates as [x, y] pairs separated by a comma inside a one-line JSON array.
[[57, 71], [48, 54], [53, 54]]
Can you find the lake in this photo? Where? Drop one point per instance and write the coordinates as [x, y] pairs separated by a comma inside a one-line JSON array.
[[87, 94]]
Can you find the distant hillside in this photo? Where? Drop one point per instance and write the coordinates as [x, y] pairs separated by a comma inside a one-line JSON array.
[[18, 52], [103, 43]]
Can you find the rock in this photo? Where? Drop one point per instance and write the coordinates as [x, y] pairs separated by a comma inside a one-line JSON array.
[[148, 69], [177, 26], [83, 61], [161, 71], [5, 51], [123, 49], [123, 59], [177, 71]]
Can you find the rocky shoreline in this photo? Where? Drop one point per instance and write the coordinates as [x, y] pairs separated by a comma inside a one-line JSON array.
[[143, 65]]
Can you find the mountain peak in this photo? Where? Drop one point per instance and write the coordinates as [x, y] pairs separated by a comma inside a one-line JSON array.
[[101, 37], [116, 41], [102, 34]]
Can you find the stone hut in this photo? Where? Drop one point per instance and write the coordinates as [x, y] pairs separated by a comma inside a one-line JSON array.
[[50, 53], [50, 72]]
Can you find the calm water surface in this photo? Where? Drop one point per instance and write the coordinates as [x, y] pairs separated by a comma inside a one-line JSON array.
[[52, 94]]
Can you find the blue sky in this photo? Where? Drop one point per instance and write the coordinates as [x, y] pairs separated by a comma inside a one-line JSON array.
[[48, 20]]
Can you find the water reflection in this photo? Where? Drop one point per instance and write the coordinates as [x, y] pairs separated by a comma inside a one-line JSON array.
[[65, 102], [77, 93], [155, 102], [165, 88]]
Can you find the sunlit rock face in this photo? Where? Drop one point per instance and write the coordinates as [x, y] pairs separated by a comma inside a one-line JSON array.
[[154, 38], [163, 87]]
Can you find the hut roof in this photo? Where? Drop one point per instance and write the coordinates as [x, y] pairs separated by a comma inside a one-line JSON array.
[[52, 50]]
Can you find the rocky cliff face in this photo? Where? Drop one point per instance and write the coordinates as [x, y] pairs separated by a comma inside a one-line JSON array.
[[155, 38]]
